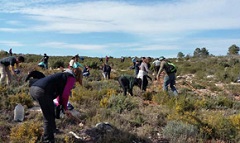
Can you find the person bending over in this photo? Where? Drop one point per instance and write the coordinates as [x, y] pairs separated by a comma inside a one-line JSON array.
[[127, 82], [45, 90], [34, 76], [7, 68]]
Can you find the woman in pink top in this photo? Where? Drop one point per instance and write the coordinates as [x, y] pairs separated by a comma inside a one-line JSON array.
[[45, 90]]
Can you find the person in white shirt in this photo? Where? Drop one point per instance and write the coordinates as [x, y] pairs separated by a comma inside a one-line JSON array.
[[143, 73], [156, 65]]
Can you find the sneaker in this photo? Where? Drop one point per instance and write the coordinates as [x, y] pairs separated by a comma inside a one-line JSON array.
[[70, 107]]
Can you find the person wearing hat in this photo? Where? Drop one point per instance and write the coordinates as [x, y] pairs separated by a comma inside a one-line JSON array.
[[45, 90], [74, 63], [169, 78], [7, 62]]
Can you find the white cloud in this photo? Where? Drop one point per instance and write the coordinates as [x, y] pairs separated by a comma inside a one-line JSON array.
[[9, 30], [11, 43], [71, 46], [117, 16], [160, 26], [13, 22], [155, 48]]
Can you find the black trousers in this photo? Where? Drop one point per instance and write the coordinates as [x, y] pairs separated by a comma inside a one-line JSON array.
[[156, 69], [46, 103], [107, 75], [144, 83], [124, 83]]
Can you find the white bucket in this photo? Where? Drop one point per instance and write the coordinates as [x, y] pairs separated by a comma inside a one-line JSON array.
[[19, 113]]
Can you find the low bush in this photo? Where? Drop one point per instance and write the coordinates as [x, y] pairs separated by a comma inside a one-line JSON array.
[[5, 129], [58, 64], [30, 132], [179, 132], [216, 126], [121, 103], [22, 98], [223, 102], [235, 119]]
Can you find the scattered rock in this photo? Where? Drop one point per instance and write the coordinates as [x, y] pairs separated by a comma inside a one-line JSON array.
[[35, 108], [210, 76], [96, 133]]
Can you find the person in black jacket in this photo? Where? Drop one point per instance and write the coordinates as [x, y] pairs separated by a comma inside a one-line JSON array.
[[34, 76], [106, 71], [127, 82], [45, 90]]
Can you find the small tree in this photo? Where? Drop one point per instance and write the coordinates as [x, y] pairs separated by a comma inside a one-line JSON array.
[[197, 52], [203, 52], [233, 50], [180, 55]]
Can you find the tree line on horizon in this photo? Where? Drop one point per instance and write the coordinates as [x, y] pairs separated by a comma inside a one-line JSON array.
[[203, 52], [198, 53]]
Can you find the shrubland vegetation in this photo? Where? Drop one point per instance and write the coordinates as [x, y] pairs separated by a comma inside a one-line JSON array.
[[206, 110]]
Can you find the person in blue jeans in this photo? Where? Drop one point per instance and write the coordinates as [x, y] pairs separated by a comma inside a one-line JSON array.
[[169, 78]]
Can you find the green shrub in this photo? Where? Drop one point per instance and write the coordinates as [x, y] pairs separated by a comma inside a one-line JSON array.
[[120, 103], [147, 96], [5, 129], [215, 125], [81, 95], [178, 132], [224, 129], [235, 119], [58, 64], [22, 98], [223, 102], [92, 65], [95, 75], [184, 104], [136, 118], [30, 132], [160, 98]]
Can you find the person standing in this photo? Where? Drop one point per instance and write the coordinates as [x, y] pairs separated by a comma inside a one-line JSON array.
[[106, 71], [134, 59], [106, 59], [45, 90], [101, 60], [169, 78], [122, 59], [143, 73], [45, 60], [137, 67], [73, 64], [7, 68], [10, 51]]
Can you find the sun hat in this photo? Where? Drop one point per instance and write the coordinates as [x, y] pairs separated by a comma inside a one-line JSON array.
[[161, 58]]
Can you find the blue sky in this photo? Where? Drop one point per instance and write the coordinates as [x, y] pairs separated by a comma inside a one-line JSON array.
[[119, 27]]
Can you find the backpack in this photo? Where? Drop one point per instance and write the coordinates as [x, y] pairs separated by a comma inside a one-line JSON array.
[[171, 68]]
